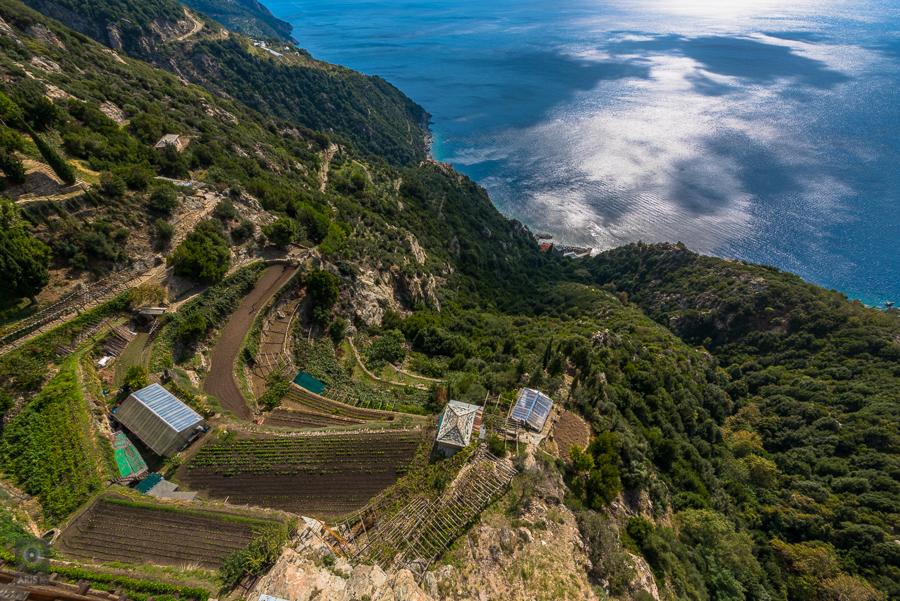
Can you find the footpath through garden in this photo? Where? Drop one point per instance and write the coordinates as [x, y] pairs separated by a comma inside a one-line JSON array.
[[220, 381]]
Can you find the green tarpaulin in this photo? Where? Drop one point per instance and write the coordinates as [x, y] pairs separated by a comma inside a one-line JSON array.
[[304, 380], [128, 459]]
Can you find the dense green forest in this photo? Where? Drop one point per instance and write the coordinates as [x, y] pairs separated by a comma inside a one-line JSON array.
[[758, 413]]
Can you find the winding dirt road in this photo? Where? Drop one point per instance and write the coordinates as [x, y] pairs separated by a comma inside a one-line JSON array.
[[220, 381]]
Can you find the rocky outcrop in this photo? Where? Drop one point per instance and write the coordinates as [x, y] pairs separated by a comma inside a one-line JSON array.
[[42, 33], [376, 292], [296, 577]]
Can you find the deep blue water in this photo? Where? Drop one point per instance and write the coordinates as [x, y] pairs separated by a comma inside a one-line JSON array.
[[762, 130]]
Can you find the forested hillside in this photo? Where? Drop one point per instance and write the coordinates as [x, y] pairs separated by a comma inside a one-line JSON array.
[[248, 17], [747, 420], [366, 111]]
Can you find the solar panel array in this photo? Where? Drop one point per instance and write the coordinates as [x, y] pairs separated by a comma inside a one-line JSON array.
[[532, 408], [167, 406], [158, 419]]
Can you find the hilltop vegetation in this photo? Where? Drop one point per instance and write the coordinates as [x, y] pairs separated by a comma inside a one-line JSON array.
[[755, 412]]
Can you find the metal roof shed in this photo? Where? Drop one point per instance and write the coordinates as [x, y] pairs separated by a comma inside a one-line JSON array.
[[456, 425], [532, 408], [159, 419]]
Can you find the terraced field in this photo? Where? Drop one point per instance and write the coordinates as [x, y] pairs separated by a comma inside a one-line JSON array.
[[128, 532], [301, 399], [302, 417], [320, 475]]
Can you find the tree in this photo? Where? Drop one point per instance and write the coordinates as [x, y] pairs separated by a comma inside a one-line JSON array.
[[204, 254], [57, 163], [24, 260], [323, 287], [603, 481], [12, 167], [192, 327], [136, 377], [337, 329], [282, 232], [581, 461]]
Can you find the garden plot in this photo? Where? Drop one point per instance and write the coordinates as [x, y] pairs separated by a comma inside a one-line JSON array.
[[323, 475], [301, 399], [129, 532], [284, 417]]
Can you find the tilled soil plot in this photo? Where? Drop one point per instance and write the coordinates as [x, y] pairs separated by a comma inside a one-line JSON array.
[[132, 533], [220, 380], [302, 399], [293, 418], [322, 475], [570, 430]]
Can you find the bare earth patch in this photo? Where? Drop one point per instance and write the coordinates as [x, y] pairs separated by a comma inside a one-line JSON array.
[[570, 430]]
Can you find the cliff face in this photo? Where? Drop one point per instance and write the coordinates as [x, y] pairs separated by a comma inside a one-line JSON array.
[[301, 576]]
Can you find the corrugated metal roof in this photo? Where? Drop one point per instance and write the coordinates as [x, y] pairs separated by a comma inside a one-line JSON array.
[[533, 408], [457, 422], [167, 140], [167, 407]]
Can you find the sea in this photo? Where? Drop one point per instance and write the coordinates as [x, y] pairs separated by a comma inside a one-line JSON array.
[[761, 130]]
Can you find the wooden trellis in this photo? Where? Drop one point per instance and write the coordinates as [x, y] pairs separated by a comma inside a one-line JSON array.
[[424, 528]]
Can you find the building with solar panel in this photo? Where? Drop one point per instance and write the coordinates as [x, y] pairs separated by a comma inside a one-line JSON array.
[[159, 419], [532, 409]]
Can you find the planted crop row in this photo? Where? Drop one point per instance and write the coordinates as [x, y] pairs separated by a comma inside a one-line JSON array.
[[136, 532], [322, 476], [49, 448]]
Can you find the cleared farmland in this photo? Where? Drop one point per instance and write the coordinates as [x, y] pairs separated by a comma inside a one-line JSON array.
[[299, 398], [323, 475], [285, 417], [124, 531]]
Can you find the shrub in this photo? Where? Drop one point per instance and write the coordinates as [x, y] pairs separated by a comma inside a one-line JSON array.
[[496, 446], [277, 385], [163, 198], [111, 184], [164, 229], [79, 261], [245, 230], [282, 232], [136, 377], [225, 210]]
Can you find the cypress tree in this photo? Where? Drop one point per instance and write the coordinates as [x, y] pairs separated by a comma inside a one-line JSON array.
[[57, 163]]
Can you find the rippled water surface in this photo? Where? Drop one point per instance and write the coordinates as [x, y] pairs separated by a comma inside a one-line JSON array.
[[761, 130]]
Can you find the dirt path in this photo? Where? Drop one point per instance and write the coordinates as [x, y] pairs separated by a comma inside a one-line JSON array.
[[197, 26], [220, 381], [327, 155], [359, 362]]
